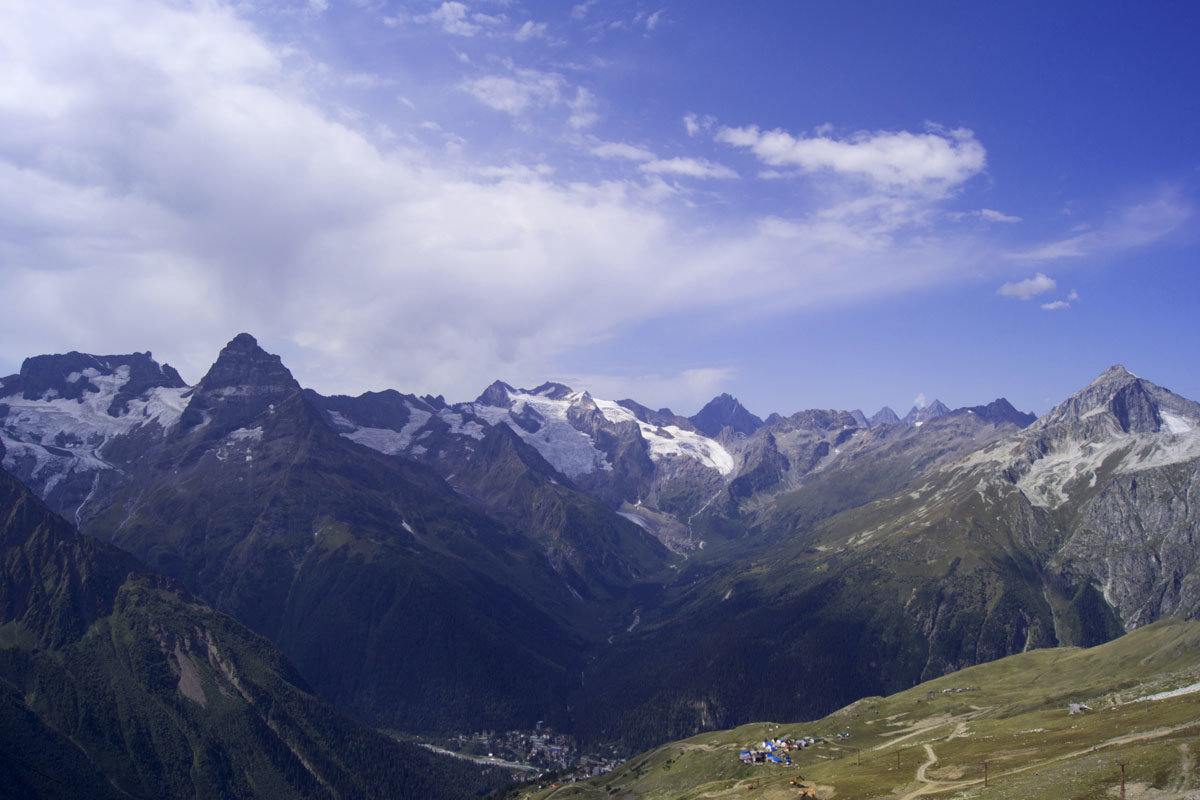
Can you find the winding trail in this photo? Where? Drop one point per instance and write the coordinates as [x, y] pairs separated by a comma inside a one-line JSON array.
[[930, 786]]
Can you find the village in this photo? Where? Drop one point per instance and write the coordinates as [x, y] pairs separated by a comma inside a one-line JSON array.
[[543, 750]]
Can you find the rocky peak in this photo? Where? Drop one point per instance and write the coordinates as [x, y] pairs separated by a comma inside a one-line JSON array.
[[1118, 400], [584, 415], [932, 411], [724, 411], [245, 382], [662, 418], [1114, 375], [884, 416], [817, 419], [553, 391], [242, 364], [498, 395], [999, 412]]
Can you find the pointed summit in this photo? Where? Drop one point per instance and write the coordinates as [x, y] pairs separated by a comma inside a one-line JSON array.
[[724, 411], [884, 416], [244, 382], [243, 365], [1114, 374], [921, 415], [1133, 404], [498, 395]]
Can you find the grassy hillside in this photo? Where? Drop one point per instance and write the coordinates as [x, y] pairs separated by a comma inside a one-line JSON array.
[[933, 741]]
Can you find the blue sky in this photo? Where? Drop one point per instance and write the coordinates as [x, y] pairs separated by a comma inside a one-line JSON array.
[[804, 204]]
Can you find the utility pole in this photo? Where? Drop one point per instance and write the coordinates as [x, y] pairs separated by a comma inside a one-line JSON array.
[[1122, 765], [897, 758], [985, 774]]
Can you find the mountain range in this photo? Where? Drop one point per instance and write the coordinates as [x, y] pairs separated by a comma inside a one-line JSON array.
[[620, 573]]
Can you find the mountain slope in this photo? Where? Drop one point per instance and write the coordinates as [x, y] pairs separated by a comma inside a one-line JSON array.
[[933, 739], [394, 597], [115, 682], [1068, 532]]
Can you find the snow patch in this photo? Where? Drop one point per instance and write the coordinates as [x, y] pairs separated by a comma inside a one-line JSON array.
[[673, 442], [77, 430], [636, 519], [386, 440], [245, 435], [569, 451], [460, 428], [1174, 424]]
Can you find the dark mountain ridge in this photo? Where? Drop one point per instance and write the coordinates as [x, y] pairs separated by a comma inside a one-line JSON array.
[[115, 682], [494, 563]]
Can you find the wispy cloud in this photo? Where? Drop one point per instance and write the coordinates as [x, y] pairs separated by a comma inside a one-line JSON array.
[[695, 125], [1135, 225], [1028, 288], [453, 18], [1056, 305], [530, 30], [926, 163], [515, 92], [688, 167], [580, 10], [212, 185], [583, 109], [620, 150], [989, 215]]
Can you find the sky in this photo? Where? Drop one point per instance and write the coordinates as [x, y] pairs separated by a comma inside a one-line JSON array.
[[805, 204]]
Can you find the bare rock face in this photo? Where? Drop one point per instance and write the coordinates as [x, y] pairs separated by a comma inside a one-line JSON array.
[[884, 416], [724, 411], [1136, 539]]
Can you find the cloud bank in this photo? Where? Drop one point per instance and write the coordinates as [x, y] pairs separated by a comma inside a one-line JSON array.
[[170, 176]]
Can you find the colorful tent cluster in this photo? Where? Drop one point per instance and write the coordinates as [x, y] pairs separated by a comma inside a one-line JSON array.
[[775, 751]]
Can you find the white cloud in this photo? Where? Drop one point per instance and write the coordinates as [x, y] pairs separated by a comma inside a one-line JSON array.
[[452, 17], [167, 180], [919, 401], [988, 215], [516, 92], [688, 167], [583, 109], [654, 19], [530, 30], [1028, 288], [1074, 295], [621, 150], [926, 163], [1056, 305], [580, 10], [1072, 247], [694, 124]]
